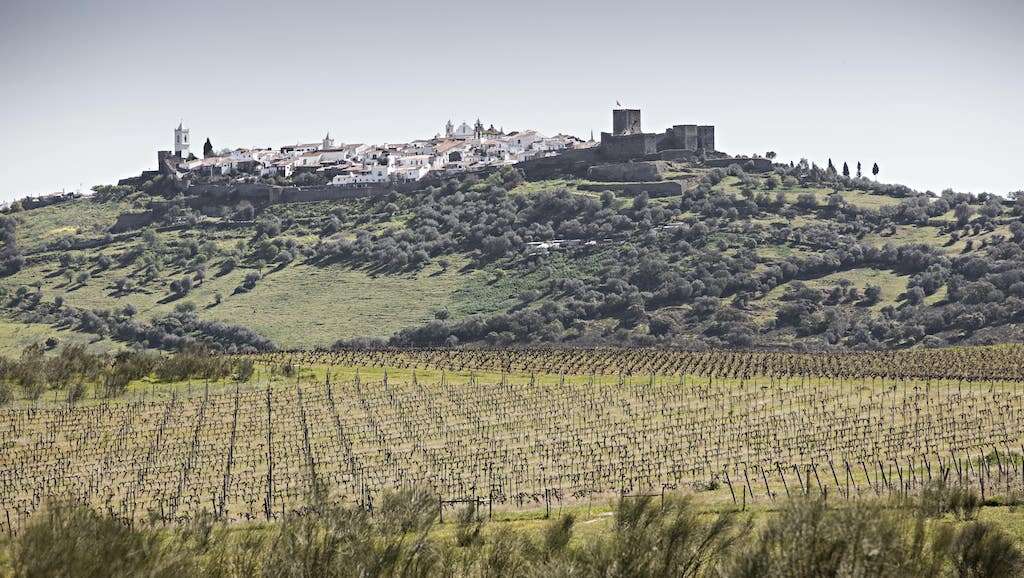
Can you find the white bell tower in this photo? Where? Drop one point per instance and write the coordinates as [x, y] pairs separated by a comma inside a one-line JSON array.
[[181, 141]]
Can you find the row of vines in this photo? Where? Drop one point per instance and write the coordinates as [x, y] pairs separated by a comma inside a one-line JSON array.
[[259, 451]]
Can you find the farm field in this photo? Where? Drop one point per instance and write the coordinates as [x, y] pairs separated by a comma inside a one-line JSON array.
[[526, 432]]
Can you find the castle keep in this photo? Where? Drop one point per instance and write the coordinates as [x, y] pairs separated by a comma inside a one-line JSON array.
[[627, 140]]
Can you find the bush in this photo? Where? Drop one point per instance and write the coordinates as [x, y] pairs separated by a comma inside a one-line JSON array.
[[804, 538], [249, 283], [468, 530], [73, 540], [244, 369]]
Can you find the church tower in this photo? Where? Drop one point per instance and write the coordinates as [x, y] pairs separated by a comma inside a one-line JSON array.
[[181, 142], [328, 143]]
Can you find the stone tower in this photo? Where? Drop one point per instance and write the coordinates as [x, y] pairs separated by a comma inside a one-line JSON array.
[[328, 143], [181, 141], [625, 121]]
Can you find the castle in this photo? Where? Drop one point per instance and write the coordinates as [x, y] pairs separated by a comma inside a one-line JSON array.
[[628, 141]]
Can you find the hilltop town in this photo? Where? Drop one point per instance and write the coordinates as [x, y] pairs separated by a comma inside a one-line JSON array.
[[462, 148], [459, 149], [478, 235]]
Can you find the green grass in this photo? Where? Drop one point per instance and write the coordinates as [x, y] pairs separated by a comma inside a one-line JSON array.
[[909, 235], [861, 199], [490, 290], [892, 286], [571, 185], [297, 306], [37, 227], [306, 306], [15, 336]]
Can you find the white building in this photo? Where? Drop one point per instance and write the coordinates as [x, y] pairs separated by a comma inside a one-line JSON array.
[[181, 141], [521, 141], [301, 148], [377, 172], [463, 132]]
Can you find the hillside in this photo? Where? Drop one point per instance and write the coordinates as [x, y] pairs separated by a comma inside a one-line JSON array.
[[796, 257]]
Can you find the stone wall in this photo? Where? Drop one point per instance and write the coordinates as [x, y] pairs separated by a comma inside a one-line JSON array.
[[570, 163], [688, 137], [628, 172], [749, 164], [625, 147], [677, 155], [263, 193], [132, 221], [681, 136]]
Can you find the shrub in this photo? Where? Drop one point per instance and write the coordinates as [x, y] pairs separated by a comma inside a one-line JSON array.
[[73, 540]]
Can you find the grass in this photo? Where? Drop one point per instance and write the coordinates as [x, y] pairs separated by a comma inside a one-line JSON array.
[[892, 286], [857, 198], [37, 227], [571, 185], [296, 306], [909, 235], [305, 306], [15, 336], [490, 290], [861, 199]]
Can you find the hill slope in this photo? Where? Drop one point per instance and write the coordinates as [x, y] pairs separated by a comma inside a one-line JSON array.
[[797, 257]]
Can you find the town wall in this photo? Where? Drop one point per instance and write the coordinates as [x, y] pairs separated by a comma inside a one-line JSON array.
[[204, 194]]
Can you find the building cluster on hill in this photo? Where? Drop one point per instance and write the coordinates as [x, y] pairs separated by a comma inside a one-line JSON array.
[[459, 149]]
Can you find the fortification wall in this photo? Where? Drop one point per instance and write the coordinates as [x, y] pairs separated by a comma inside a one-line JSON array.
[[573, 162], [628, 172], [677, 155], [625, 147], [262, 193], [748, 164]]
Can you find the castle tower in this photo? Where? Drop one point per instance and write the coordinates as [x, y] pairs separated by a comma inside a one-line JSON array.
[[625, 121], [706, 138], [181, 141]]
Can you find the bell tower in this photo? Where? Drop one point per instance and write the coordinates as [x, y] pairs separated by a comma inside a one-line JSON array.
[[181, 141]]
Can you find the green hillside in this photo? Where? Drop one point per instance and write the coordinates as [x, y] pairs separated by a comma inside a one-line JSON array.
[[799, 257]]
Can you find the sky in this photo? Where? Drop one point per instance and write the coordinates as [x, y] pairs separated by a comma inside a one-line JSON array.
[[930, 90]]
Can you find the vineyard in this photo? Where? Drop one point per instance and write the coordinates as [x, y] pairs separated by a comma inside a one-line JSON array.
[[526, 429]]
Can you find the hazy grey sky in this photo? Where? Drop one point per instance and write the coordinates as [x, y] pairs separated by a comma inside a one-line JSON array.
[[931, 90]]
